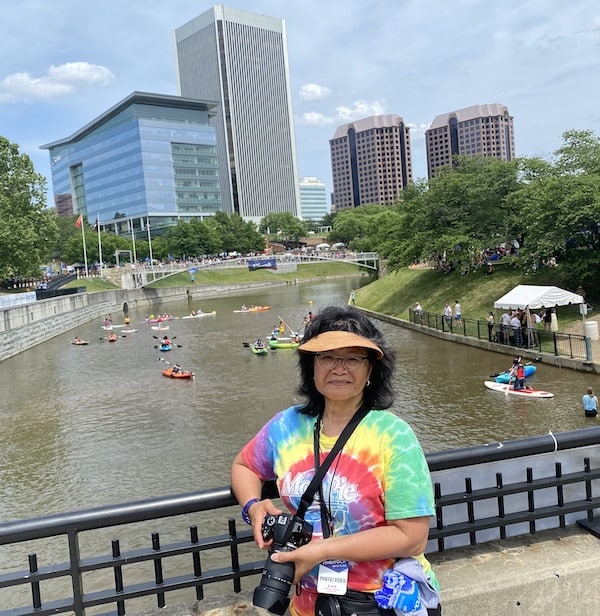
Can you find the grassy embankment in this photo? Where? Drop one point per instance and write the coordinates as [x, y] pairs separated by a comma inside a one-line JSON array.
[[392, 294], [395, 293]]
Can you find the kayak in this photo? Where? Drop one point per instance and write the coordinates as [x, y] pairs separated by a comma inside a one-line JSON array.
[[254, 309], [199, 314], [283, 344], [80, 342], [183, 374], [112, 338], [527, 393], [503, 377], [259, 350], [165, 347]]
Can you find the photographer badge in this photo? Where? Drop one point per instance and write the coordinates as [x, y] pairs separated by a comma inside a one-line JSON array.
[[333, 577]]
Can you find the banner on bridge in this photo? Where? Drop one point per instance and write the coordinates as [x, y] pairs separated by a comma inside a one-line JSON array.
[[267, 263]]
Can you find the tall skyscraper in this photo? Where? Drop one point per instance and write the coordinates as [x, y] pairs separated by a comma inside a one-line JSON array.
[[370, 161], [239, 60], [480, 130]]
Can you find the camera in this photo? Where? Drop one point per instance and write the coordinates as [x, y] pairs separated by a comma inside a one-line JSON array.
[[288, 533]]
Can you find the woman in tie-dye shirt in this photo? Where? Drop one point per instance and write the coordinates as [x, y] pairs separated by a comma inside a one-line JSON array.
[[377, 496]]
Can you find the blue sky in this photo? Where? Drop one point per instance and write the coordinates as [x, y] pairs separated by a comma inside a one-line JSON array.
[[65, 62]]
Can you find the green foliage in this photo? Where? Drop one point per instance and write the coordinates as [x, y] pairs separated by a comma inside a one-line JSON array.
[[28, 231], [235, 234], [283, 225]]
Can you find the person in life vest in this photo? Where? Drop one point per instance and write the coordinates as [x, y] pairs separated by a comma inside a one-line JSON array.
[[518, 373]]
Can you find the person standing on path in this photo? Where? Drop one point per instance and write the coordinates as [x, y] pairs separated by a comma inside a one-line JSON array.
[[490, 324], [457, 310], [418, 313], [590, 403], [448, 314]]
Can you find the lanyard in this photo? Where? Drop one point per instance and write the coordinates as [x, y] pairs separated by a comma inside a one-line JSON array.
[[321, 469]]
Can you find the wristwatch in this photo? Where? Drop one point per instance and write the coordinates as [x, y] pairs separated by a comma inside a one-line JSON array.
[[245, 509]]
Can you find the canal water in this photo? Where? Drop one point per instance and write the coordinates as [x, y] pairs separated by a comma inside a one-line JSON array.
[[85, 426]]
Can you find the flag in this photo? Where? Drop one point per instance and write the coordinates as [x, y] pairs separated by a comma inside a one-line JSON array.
[[96, 225], [79, 221]]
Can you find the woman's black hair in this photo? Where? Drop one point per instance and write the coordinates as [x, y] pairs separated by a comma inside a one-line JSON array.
[[378, 394]]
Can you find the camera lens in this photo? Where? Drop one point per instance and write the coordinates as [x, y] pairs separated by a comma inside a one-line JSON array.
[[273, 591]]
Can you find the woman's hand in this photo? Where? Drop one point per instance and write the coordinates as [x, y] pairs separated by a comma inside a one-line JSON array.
[[304, 558], [257, 513]]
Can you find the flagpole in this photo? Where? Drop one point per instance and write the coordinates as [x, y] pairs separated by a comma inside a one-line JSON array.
[[99, 241], [84, 247], [150, 246], [132, 240]]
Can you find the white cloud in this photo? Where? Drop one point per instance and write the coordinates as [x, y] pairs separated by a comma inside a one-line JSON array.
[[313, 92], [343, 114], [59, 81]]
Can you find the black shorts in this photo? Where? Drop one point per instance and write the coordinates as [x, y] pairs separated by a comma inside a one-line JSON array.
[[591, 413]]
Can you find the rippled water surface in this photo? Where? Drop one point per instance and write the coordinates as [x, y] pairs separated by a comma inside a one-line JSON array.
[[84, 426]]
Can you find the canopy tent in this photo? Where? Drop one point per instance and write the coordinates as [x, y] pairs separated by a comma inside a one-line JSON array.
[[537, 296]]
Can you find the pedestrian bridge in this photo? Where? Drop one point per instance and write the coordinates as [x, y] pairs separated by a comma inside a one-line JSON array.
[[286, 262]]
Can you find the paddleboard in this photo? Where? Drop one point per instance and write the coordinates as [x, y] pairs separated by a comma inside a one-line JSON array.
[[527, 393], [129, 331]]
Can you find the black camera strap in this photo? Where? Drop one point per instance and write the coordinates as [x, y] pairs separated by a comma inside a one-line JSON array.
[[321, 469]]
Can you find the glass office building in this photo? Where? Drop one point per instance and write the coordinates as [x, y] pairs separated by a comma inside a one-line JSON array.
[[151, 158], [240, 60]]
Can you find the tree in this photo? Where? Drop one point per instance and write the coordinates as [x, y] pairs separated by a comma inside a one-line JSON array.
[[28, 230], [235, 234], [284, 225]]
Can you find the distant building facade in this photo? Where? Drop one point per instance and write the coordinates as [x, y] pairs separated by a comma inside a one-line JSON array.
[[150, 159], [239, 59], [370, 161], [313, 199], [480, 130]]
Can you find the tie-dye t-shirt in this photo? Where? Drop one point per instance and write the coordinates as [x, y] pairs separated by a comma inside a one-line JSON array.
[[381, 473]]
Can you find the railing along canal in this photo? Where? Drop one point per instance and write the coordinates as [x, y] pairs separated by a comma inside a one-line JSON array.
[[527, 339], [482, 493]]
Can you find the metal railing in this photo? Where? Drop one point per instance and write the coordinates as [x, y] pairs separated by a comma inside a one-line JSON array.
[[482, 493], [535, 340]]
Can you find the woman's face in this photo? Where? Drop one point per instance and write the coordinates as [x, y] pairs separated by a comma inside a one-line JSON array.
[[337, 382]]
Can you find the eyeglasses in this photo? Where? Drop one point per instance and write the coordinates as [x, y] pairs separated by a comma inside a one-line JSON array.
[[351, 363]]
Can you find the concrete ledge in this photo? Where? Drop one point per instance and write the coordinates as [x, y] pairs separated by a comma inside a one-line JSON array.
[[553, 572]]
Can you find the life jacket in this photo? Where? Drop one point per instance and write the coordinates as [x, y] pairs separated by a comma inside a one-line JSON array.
[[520, 371]]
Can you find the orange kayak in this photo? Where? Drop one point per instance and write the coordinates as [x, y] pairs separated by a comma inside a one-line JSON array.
[[184, 374]]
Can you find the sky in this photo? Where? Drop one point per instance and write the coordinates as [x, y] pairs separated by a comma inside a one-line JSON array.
[[65, 62]]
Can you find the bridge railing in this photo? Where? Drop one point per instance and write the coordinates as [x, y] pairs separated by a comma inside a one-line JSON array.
[[482, 493]]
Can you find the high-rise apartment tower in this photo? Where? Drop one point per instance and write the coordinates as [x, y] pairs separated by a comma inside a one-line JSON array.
[[480, 130], [239, 59], [370, 161]]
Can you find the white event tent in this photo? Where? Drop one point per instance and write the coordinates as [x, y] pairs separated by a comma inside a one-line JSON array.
[[537, 296]]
